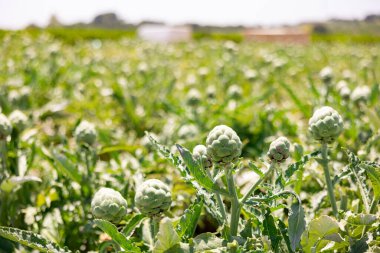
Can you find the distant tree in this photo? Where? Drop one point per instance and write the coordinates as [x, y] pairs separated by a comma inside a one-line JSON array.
[[372, 18], [54, 22], [320, 29]]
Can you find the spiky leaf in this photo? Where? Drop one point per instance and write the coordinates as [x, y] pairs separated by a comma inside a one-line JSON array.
[[31, 240]]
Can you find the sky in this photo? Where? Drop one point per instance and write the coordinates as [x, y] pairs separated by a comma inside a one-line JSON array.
[[16, 14]]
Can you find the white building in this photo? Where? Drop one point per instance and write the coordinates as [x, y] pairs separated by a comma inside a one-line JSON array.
[[164, 34]]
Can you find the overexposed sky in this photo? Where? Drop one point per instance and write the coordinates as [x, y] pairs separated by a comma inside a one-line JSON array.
[[15, 14]]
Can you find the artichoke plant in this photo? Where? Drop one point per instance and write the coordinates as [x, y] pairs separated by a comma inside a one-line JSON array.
[[153, 197], [200, 154], [109, 204], [5, 127], [85, 133], [18, 120], [279, 150], [223, 145], [326, 125]]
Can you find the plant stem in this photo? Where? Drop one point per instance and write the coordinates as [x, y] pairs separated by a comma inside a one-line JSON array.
[[372, 210], [235, 204], [154, 226], [330, 188], [3, 157], [218, 198], [253, 187], [374, 204]]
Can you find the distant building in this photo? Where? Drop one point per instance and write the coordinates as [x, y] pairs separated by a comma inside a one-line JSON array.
[[278, 35], [164, 34]]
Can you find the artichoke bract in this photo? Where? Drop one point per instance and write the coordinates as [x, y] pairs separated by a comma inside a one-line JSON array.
[[223, 144], [326, 125], [109, 204], [153, 197], [200, 154], [279, 150], [85, 133], [5, 127], [18, 120]]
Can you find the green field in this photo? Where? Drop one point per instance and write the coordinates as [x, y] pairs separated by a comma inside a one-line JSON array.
[[177, 93]]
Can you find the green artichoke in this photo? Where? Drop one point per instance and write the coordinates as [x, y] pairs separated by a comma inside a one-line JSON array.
[[279, 150], [85, 133], [193, 97], [223, 145], [200, 154], [326, 125], [109, 204], [360, 94], [153, 197], [18, 120], [5, 127], [234, 91], [326, 74]]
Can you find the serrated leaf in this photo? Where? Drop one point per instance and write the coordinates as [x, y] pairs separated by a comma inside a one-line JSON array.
[[198, 172], [255, 169], [167, 237], [31, 240], [131, 225], [118, 237], [188, 222], [271, 231], [374, 176], [297, 165], [209, 199], [285, 235], [297, 225]]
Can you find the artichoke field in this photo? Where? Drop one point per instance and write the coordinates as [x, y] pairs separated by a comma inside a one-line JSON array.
[[95, 140]]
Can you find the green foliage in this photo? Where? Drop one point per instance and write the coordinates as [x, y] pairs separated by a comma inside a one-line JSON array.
[[59, 77], [31, 240], [297, 225], [118, 237]]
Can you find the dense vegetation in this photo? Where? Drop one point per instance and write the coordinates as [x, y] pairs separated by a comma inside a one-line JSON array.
[[79, 115]]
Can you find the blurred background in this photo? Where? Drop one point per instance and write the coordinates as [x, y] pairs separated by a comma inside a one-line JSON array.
[[302, 21]]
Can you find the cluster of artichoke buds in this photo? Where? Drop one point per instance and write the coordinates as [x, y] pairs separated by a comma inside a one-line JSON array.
[[85, 133], [5, 127], [152, 198], [224, 147], [326, 125]]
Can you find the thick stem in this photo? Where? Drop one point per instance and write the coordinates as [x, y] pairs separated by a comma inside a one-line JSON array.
[[254, 187], [219, 198], [154, 223], [235, 204], [329, 184]]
